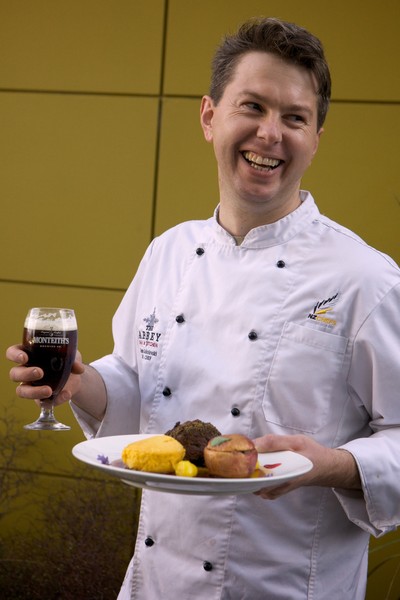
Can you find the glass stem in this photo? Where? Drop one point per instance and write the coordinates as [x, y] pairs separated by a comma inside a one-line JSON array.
[[46, 412]]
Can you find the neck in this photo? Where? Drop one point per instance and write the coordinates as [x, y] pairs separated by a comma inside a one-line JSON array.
[[238, 221]]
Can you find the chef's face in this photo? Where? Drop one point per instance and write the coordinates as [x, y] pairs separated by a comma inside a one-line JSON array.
[[264, 132]]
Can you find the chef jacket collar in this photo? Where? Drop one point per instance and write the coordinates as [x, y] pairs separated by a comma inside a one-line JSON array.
[[274, 233]]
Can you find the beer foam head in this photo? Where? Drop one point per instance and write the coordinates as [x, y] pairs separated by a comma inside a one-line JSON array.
[[51, 319]]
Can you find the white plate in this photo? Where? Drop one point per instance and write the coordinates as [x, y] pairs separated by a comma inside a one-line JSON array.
[[287, 465]]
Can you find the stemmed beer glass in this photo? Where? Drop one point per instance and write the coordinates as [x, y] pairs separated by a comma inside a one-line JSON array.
[[50, 340]]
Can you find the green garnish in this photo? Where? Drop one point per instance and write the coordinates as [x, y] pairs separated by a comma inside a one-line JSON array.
[[220, 439]]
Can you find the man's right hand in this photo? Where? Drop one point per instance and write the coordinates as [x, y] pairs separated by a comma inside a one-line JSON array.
[[26, 375]]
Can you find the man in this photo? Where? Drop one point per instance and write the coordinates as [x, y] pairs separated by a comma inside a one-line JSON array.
[[269, 320]]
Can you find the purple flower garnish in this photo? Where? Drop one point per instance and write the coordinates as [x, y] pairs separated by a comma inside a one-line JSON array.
[[103, 459]]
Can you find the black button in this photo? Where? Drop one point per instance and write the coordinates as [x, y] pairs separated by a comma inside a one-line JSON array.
[[280, 264], [235, 411], [166, 391], [149, 541], [253, 335], [200, 251], [207, 566], [180, 319]]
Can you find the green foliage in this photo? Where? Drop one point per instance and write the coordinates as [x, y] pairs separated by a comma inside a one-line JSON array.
[[63, 536], [384, 568], [79, 549], [12, 444]]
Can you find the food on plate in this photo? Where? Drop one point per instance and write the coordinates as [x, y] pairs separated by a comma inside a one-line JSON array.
[[156, 454], [194, 437], [231, 456], [228, 456], [185, 468]]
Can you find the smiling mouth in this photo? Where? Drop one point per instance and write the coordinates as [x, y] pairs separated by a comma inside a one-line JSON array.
[[260, 163]]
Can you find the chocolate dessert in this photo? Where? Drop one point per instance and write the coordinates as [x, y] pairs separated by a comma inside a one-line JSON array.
[[194, 437]]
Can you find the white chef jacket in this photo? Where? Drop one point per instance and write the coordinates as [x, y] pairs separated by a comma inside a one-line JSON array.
[[296, 330]]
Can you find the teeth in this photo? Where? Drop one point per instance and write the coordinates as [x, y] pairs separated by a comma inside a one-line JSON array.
[[256, 159]]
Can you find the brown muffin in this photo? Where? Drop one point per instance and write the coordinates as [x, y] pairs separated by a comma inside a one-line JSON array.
[[194, 437], [231, 456]]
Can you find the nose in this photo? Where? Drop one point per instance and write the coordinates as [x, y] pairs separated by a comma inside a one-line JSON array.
[[269, 129]]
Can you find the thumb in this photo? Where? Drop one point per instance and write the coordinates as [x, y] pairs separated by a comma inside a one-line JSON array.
[[78, 368]]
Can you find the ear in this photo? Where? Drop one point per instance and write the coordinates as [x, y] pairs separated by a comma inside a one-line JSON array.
[[206, 117], [317, 139]]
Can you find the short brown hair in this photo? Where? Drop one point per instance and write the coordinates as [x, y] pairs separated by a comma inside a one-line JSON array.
[[286, 40]]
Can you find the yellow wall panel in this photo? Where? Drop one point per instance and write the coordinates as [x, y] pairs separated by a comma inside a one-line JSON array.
[[77, 182], [355, 176], [360, 39], [94, 310], [81, 45], [187, 170]]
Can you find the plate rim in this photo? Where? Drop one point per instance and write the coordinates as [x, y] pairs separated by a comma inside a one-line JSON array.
[[164, 482]]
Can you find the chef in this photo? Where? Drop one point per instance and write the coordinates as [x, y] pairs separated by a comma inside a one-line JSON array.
[[270, 320]]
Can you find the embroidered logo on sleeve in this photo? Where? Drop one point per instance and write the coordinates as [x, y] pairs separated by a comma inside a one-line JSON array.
[[322, 309], [148, 338]]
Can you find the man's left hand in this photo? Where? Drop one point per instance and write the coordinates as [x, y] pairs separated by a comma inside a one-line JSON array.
[[332, 467]]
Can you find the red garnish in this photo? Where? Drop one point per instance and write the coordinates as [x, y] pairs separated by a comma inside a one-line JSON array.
[[272, 466]]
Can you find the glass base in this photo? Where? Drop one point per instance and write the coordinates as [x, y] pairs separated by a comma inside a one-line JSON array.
[[47, 421], [47, 426]]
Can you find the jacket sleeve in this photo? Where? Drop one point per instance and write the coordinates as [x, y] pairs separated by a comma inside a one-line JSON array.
[[374, 381], [119, 371]]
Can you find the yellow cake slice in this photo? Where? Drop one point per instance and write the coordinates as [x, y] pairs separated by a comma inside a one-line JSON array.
[[157, 454]]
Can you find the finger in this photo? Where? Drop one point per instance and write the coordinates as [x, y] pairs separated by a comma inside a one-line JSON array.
[[272, 443], [16, 354], [272, 493], [64, 396], [24, 390], [25, 374], [276, 443]]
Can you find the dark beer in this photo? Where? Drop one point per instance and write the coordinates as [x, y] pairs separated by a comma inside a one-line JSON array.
[[53, 351], [50, 339]]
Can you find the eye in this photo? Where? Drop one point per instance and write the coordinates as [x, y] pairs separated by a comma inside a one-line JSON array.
[[254, 106], [297, 119]]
